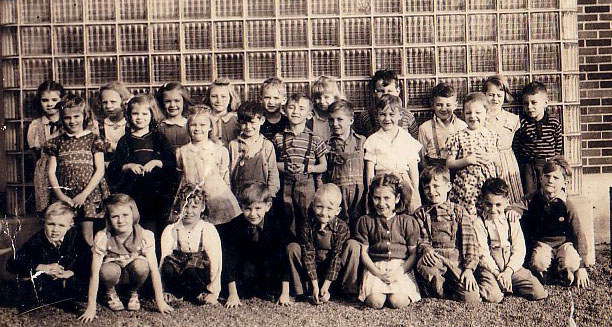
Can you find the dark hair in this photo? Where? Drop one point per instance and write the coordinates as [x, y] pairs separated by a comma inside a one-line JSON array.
[[249, 110], [145, 99], [400, 188], [73, 101], [387, 77], [47, 86], [499, 82], [558, 162], [534, 88], [171, 86], [389, 100], [296, 97], [341, 106], [495, 186], [443, 90], [188, 192], [273, 82], [254, 193], [433, 171]]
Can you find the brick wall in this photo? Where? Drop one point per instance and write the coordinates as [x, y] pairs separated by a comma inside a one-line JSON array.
[[595, 46]]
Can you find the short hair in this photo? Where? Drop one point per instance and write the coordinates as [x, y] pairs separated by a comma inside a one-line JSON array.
[[443, 90], [59, 208], [325, 84], [330, 192], [399, 188], [296, 97], [145, 99], [273, 83], [499, 82], [342, 106], [120, 199], [558, 162], [391, 101], [534, 88], [475, 97], [433, 171], [124, 94], [234, 97], [249, 110], [495, 186], [48, 86], [188, 192], [204, 111], [387, 77], [254, 193], [73, 101], [171, 86]]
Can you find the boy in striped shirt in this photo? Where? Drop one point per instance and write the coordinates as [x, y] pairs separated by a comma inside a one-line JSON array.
[[538, 139]]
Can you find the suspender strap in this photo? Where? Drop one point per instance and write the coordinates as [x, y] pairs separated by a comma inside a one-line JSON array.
[[308, 148], [435, 138]]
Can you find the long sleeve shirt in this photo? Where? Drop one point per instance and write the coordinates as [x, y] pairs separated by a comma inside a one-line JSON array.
[[316, 252], [535, 140], [501, 236], [387, 239]]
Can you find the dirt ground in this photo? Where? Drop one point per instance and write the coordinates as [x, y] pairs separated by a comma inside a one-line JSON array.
[[592, 307]]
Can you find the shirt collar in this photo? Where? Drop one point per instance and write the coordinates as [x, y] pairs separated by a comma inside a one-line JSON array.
[[81, 134], [182, 123], [120, 123], [226, 118], [289, 131], [441, 123], [318, 117], [562, 196]]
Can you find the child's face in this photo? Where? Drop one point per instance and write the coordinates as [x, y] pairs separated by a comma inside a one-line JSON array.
[[272, 99], [219, 98], [388, 118], [57, 226], [475, 115], [298, 112], [436, 192], [255, 212], [173, 103], [251, 128], [443, 107], [140, 116], [323, 101], [495, 97], [340, 123], [111, 104], [534, 105], [193, 210], [325, 209], [553, 183], [494, 206], [380, 89], [48, 100], [121, 218], [384, 201], [199, 127], [73, 119]]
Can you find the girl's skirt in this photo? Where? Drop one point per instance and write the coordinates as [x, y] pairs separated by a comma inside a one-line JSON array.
[[41, 183], [405, 284], [508, 170]]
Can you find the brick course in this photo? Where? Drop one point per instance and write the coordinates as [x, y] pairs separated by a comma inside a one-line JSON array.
[[595, 40]]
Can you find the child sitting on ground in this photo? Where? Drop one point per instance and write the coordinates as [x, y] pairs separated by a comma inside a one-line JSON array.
[[190, 263], [447, 243], [52, 264], [502, 249], [324, 250], [553, 230]]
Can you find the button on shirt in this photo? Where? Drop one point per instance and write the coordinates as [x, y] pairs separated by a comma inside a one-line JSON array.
[[501, 244], [387, 238]]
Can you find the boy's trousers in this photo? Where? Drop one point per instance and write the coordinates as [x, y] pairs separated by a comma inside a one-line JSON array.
[[524, 284]]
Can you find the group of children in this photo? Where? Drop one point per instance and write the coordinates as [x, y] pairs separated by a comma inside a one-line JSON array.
[[287, 191]]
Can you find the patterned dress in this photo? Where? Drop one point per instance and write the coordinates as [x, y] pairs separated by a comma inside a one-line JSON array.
[[40, 131], [469, 180], [75, 167]]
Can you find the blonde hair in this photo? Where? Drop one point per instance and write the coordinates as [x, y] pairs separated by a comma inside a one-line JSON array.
[[59, 208], [330, 192], [326, 85]]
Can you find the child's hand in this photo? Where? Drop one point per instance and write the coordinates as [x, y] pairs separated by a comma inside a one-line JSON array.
[[149, 166], [209, 298], [79, 200], [468, 280], [233, 301], [66, 199], [430, 259], [88, 315], [284, 300], [163, 307], [49, 269], [315, 292], [63, 274], [295, 168], [582, 278], [134, 168], [513, 216], [505, 280], [325, 295]]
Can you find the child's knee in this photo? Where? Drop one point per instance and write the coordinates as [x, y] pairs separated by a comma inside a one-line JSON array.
[[398, 301], [491, 294], [541, 258], [110, 273], [293, 250], [537, 293], [376, 301], [138, 268], [352, 250], [568, 258], [471, 296]]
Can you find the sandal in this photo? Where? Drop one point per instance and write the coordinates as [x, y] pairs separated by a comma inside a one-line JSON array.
[[133, 302], [170, 298], [114, 303]]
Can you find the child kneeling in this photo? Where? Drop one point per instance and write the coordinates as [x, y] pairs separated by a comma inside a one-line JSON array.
[[324, 249], [388, 240], [191, 252], [123, 251]]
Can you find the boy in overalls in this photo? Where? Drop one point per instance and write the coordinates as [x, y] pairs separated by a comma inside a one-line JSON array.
[[300, 154]]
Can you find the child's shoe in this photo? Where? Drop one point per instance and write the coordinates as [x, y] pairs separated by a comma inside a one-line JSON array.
[[134, 302], [114, 303]]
